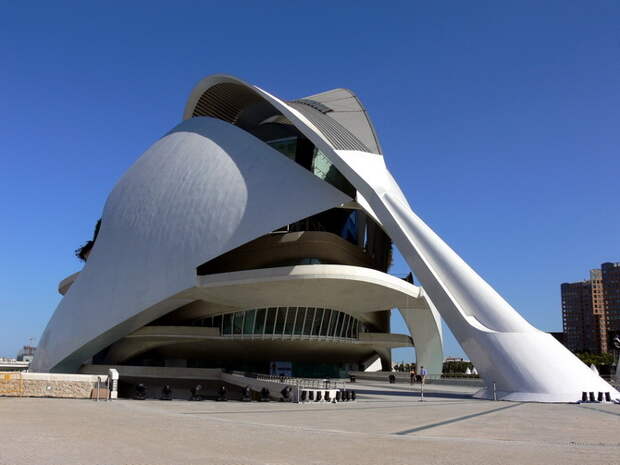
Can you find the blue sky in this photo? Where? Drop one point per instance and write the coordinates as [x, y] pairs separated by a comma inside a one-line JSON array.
[[498, 119]]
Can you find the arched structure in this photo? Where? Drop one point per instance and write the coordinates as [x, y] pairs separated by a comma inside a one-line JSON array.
[[217, 184]]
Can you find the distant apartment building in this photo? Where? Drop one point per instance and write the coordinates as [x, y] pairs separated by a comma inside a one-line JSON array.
[[610, 273], [591, 310]]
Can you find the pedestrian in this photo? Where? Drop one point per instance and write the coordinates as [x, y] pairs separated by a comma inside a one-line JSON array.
[[423, 374], [412, 376]]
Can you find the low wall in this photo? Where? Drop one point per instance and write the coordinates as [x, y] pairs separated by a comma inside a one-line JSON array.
[[51, 385]]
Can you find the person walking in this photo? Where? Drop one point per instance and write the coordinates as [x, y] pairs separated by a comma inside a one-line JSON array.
[[423, 374], [412, 376]]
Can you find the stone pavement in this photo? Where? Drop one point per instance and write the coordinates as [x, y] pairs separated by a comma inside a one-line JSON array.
[[386, 425]]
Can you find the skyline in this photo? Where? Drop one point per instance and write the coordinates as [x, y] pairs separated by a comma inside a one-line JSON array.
[[499, 168]]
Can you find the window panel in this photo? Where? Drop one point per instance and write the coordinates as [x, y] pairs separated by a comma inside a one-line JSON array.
[[271, 320], [217, 322], [309, 320], [259, 327], [290, 320], [287, 146], [301, 319], [317, 321], [248, 323], [281, 316], [326, 318], [338, 327], [227, 324], [343, 327], [332, 323]]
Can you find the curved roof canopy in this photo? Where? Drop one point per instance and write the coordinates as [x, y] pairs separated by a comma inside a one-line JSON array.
[[337, 114]]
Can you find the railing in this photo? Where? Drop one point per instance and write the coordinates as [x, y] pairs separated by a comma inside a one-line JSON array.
[[405, 378], [402, 374], [311, 383]]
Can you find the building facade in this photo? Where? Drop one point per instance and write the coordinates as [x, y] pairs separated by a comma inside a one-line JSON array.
[[610, 280], [257, 233], [310, 298], [591, 310]]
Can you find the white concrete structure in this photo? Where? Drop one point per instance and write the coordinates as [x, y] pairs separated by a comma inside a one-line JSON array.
[[214, 184]]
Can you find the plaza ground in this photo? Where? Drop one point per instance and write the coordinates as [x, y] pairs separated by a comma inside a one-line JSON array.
[[386, 425]]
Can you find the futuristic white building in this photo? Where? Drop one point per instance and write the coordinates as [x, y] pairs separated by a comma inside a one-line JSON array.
[[260, 230]]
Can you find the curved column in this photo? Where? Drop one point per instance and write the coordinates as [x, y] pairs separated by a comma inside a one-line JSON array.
[[424, 325]]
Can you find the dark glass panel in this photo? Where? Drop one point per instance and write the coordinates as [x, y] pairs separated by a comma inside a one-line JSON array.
[[326, 319], [227, 324], [271, 319], [332, 323], [317, 321], [259, 328], [309, 320], [286, 146], [280, 320], [301, 317], [238, 323], [350, 326], [338, 328], [248, 324], [290, 320]]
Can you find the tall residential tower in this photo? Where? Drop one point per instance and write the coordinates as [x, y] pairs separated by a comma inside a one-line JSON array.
[[591, 310]]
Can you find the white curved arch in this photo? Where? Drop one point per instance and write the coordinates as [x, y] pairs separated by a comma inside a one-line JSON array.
[[521, 361], [349, 289], [223, 185]]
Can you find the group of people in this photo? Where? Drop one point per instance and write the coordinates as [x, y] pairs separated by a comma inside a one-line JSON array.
[[418, 377]]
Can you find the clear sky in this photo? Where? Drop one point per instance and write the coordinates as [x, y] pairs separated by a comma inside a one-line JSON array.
[[500, 121]]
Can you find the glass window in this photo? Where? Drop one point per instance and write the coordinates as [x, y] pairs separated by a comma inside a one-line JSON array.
[[291, 312], [321, 165], [248, 323], [323, 168], [326, 319], [317, 321], [301, 318], [350, 326], [287, 146], [217, 322], [309, 320], [238, 323], [338, 327], [227, 324], [332, 323], [280, 320], [271, 319], [343, 329], [259, 327]]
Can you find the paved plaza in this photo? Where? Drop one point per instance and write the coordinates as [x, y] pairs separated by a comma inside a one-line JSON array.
[[386, 425]]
